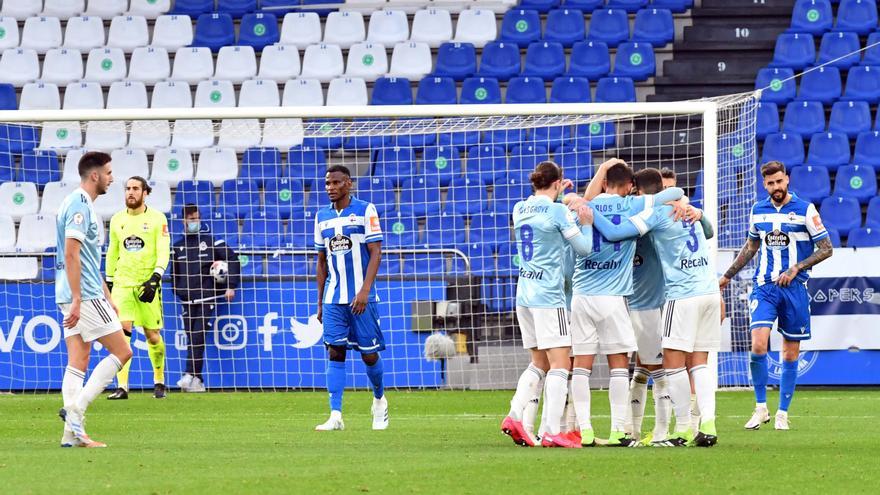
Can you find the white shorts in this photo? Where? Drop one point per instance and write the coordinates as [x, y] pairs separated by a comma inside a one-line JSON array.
[[600, 325], [96, 319], [693, 324], [646, 325], [543, 328]]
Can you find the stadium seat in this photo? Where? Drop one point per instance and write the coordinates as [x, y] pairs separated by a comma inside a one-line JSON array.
[[456, 60], [41, 34], [149, 135], [507, 193], [584, 5], [260, 164], [215, 164], [149, 65], [810, 182], [436, 91], [565, 26], [105, 135], [542, 6], [476, 26], [777, 84], [193, 7], [279, 63], [368, 61], [850, 118], [347, 91], [863, 238], [858, 16], [193, 134], [283, 197], [282, 133], [150, 9], [394, 164], [7, 235], [411, 60], [630, 6], [392, 91], [491, 228], [596, 135], [524, 157], [379, 191], [172, 32], [214, 94], [171, 94], [7, 167], [420, 196], [610, 26], [577, 163], [811, 16], [197, 192], [481, 259], [388, 27], [767, 119], [21, 9], [301, 29], [84, 33], [635, 61], [106, 9], [654, 26], [127, 94], [794, 50], [258, 30], [822, 84], [843, 214], [783, 147], [40, 167], [259, 93], [856, 181], [10, 35], [302, 92], [20, 66], [322, 62], [34, 96], [236, 8], [307, 164], [70, 173], [500, 60], [36, 233], [53, 195], [526, 90], [839, 50], [444, 231], [872, 218], [83, 95], [432, 26], [570, 90], [872, 50], [18, 199], [487, 162], [61, 136], [172, 166], [590, 59], [424, 264], [803, 117], [466, 196], [441, 162], [106, 65], [108, 203], [236, 63], [239, 198], [239, 134], [520, 26], [867, 149], [214, 31], [344, 28], [8, 97], [480, 90], [615, 89], [160, 197], [284, 5], [261, 231], [545, 60], [863, 83]]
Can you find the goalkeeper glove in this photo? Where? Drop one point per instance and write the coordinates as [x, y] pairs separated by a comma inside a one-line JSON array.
[[149, 288], [109, 286]]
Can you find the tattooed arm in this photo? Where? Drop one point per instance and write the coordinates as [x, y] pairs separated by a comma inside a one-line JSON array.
[[742, 259], [823, 251]]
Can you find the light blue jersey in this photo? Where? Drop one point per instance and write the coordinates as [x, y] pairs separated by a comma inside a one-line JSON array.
[[77, 220], [568, 260], [649, 289]]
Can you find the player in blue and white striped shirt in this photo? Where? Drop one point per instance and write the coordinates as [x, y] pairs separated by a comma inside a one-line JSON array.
[[348, 239], [789, 238]]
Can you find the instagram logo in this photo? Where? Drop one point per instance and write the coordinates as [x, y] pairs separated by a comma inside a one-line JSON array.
[[230, 332]]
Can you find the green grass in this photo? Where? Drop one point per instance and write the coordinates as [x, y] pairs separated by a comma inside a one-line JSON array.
[[438, 442]]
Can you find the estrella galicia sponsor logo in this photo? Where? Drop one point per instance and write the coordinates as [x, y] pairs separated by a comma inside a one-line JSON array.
[[806, 360], [340, 244], [777, 240], [693, 263], [133, 243]]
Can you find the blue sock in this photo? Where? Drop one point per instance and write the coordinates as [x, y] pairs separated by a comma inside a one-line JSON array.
[[787, 383], [336, 384], [758, 365], [375, 372]]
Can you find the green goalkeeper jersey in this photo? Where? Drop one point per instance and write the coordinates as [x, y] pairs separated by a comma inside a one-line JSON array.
[[139, 246]]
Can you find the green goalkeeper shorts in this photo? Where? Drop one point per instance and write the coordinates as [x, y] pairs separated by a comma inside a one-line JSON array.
[[145, 315]]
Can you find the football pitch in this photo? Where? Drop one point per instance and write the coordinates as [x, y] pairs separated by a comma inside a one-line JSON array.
[[438, 442]]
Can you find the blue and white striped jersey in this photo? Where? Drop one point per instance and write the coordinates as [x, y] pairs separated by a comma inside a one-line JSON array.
[[649, 288], [788, 235], [77, 220], [344, 235]]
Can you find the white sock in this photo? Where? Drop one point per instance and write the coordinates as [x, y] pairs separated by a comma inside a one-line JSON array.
[[661, 404], [580, 396], [557, 391], [638, 395], [679, 394], [618, 393], [543, 428], [71, 384], [705, 389], [526, 388], [101, 376], [695, 413], [531, 409]]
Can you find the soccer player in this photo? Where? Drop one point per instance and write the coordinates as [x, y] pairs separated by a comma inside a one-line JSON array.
[[789, 236], [348, 239], [542, 227], [137, 256], [669, 177], [84, 300]]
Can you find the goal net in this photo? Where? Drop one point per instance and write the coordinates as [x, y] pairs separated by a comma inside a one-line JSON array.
[[443, 178]]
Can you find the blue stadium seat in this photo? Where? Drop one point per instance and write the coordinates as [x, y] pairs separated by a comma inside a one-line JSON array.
[[565, 26], [570, 90], [7, 167], [395, 164], [544, 59], [319, 11], [524, 157], [508, 261], [804, 118], [507, 193], [284, 196], [552, 137], [859, 16], [856, 181], [822, 84], [214, 31], [239, 198], [542, 6], [863, 83], [17, 138], [476, 90], [630, 6], [424, 264], [867, 149], [7, 97], [221, 227], [589, 59], [420, 196], [767, 119], [258, 30], [584, 5], [610, 26], [488, 162], [441, 162], [289, 265], [676, 6], [863, 237], [520, 26], [834, 48], [811, 16], [850, 117], [392, 91], [197, 192], [281, 7], [436, 91], [872, 54], [491, 228], [778, 84], [828, 149], [308, 164], [444, 231], [40, 167], [193, 8], [262, 231], [377, 190], [261, 164], [500, 60], [481, 257], [456, 60], [810, 182], [505, 138], [786, 148], [466, 196], [843, 214], [654, 26], [576, 163], [400, 231], [794, 50], [634, 60], [251, 265], [872, 218], [596, 135], [834, 236], [327, 143], [615, 89], [236, 8], [461, 140], [526, 90]]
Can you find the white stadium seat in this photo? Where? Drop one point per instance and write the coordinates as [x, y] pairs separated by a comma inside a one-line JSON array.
[[217, 164], [54, 193], [344, 28], [40, 96], [432, 26], [7, 232], [21, 9], [302, 93], [149, 64], [149, 135], [388, 27], [70, 174], [129, 162], [61, 136], [84, 33], [193, 64], [172, 166], [215, 93], [10, 37], [192, 134], [347, 91], [19, 66], [236, 63], [109, 203], [259, 93], [128, 32], [62, 66], [160, 197], [41, 33], [367, 60], [323, 62], [407, 6], [106, 9], [477, 26], [127, 94], [150, 9], [18, 199], [172, 32], [106, 135], [282, 133], [301, 29], [83, 95], [106, 65], [171, 94], [36, 233], [279, 63], [239, 134], [64, 9], [411, 60]]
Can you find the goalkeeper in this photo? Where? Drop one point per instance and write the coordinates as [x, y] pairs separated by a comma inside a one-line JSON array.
[[136, 259]]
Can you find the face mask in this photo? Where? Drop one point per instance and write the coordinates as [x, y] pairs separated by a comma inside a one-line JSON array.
[[193, 227]]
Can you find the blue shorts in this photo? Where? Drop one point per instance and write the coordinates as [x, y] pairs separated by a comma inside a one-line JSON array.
[[789, 305], [360, 332]]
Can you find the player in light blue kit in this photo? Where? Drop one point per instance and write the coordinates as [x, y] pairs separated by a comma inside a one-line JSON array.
[[542, 228], [82, 296], [789, 236]]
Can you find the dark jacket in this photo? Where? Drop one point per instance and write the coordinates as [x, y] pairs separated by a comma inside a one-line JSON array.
[[191, 260]]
